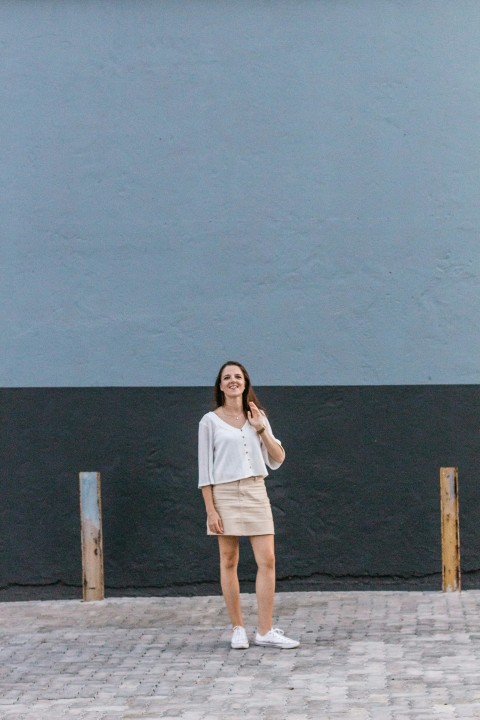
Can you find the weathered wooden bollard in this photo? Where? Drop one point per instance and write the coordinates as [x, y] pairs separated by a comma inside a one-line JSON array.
[[451, 576], [91, 531]]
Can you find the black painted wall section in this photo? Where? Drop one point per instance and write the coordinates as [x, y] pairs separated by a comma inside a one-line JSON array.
[[356, 503]]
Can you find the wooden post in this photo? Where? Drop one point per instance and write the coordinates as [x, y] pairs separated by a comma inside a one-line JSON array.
[[451, 578], [91, 531]]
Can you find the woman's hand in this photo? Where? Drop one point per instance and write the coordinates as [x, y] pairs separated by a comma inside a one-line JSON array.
[[214, 522], [255, 417]]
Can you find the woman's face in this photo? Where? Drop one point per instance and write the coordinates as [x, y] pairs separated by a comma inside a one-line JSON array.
[[232, 382]]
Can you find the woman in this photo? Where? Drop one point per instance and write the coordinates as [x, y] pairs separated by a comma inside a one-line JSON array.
[[235, 443]]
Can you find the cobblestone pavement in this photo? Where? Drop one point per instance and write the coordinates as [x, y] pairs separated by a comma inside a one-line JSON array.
[[363, 656]]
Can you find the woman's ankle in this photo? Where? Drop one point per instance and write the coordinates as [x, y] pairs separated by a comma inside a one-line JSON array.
[[263, 631]]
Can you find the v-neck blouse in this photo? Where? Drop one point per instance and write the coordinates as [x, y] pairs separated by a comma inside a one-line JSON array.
[[227, 453]]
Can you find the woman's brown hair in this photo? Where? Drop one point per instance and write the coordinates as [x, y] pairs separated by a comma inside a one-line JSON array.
[[248, 393]]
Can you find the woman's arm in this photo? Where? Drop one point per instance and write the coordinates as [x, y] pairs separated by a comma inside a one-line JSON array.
[[274, 449], [214, 520], [257, 420], [205, 463]]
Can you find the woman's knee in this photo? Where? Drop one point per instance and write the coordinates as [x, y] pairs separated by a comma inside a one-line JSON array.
[[266, 561], [229, 550], [229, 559], [264, 551]]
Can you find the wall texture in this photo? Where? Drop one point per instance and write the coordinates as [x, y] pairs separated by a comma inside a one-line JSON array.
[[293, 184], [356, 502]]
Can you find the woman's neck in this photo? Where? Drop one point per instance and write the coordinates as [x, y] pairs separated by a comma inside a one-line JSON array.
[[234, 406]]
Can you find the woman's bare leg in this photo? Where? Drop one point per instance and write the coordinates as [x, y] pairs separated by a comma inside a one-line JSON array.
[[264, 550], [229, 548]]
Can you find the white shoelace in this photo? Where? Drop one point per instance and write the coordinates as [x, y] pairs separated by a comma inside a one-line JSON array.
[[276, 631]]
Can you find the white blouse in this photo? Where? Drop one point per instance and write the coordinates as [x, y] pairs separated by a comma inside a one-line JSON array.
[[226, 453]]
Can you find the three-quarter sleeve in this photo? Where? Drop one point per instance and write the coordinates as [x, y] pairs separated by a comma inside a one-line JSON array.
[[205, 454], [273, 464]]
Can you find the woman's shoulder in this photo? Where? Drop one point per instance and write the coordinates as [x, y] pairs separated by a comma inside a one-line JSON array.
[[208, 417]]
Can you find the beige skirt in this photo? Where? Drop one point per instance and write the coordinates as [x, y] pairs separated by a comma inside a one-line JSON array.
[[244, 507]]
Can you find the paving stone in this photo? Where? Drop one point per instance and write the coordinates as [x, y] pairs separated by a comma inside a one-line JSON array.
[[363, 656]]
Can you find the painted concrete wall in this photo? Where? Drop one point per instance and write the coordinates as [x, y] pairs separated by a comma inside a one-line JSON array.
[[356, 503], [293, 183]]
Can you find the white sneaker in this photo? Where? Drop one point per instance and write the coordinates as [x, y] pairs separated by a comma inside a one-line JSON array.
[[239, 638], [276, 638]]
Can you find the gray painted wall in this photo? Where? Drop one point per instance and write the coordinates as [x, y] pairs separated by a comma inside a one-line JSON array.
[[294, 183]]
